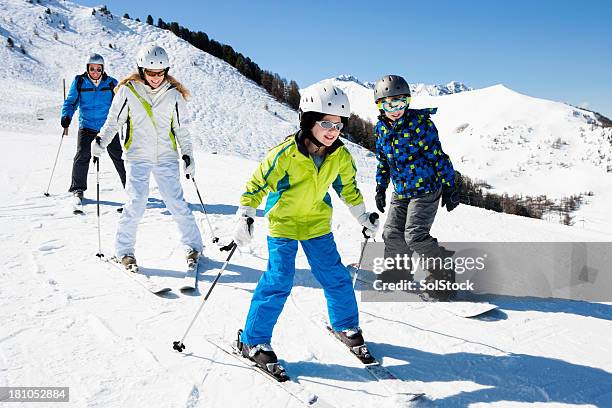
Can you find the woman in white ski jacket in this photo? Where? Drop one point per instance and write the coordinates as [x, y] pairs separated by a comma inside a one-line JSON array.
[[153, 105]]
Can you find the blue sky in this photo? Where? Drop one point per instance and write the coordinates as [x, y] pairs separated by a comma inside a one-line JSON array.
[[559, 50]]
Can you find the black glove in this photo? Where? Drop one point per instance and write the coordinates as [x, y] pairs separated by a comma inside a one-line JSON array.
[[381, 198], [451, 195], [65, 121]]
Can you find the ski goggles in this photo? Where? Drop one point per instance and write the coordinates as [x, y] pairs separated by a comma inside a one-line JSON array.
[[394, 105], [154, 74], [327, 125]]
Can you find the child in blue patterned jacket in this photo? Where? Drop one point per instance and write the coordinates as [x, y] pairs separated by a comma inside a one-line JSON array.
[[410, 155]]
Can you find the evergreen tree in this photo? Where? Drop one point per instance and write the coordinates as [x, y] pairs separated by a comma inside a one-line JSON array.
[[228, 55], [293, 95], [200, 41], [174, 27]]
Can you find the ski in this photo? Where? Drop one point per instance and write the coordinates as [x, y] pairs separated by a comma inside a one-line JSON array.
[[465, 309], [190, 280], [293, 388], [140, 277], [372, 365]]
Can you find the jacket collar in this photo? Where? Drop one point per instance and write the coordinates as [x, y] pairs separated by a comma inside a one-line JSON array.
[[392, 125], [143, 90], [406, 117], [103, 78], [300, 136]]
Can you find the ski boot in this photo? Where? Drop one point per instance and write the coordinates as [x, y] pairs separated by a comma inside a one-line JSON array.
[[353, 339], [264, 357], [129, 263], [439, 273], [78, 195], [192, 258], [77, 202], [397, 273]]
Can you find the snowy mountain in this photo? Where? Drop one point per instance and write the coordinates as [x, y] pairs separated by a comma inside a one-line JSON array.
[[518, 144], [68, 319], [229, 113], [416, 89]]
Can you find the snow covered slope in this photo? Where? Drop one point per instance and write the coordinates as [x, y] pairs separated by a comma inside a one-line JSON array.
[[518, 144], [229, 113], [70, 320]]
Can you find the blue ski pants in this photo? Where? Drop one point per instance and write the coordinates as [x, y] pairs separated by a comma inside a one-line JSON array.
[[275, 286]]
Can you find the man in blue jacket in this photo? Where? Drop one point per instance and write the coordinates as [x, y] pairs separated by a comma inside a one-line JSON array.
[[92, 93]]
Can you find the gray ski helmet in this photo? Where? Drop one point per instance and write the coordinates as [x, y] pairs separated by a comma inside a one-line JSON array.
[[390, 85], [95, 59]]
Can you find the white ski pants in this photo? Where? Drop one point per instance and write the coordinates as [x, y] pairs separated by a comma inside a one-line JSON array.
[[167, 175]]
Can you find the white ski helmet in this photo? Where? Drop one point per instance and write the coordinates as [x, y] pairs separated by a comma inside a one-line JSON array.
[[153, 57], [325, 98]]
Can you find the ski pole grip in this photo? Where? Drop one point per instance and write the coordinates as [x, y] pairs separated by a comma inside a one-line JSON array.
[[372, 218], [97, 140], [187, 161], [250, 222]]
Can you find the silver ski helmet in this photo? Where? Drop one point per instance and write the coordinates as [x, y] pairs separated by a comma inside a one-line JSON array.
[[390, 85], [94, 59]]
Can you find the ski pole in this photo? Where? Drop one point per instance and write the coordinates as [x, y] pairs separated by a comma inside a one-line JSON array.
[[97, 163], [215, 239], [178, 345], [64, 133], [373, 218]]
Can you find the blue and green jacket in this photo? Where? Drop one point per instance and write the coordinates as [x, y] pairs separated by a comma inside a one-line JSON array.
[[409, 154], [298, 203]]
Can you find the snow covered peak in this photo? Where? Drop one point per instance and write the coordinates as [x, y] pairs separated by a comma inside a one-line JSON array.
[[418, 88], [452, 87], [350, 78]]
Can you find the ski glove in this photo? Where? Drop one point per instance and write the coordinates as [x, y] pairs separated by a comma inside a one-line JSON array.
[[96, 149], [451, 195], [381, 198], [243, 232], [65, 121], [359, 212], [189, 166]]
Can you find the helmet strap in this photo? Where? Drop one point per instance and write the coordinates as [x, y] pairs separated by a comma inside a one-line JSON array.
[[142, 76], [314, 140]]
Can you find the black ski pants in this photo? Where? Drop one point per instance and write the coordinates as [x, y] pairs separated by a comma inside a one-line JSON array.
[[80, 166]]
